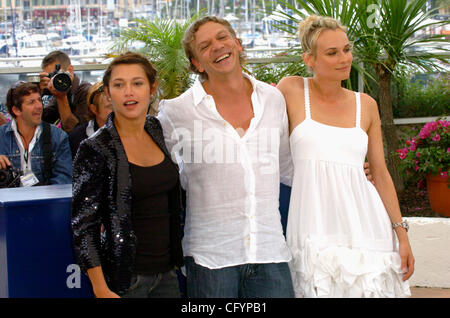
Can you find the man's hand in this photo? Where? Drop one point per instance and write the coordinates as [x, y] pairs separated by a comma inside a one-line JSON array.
[[367, 172], [56, 93], [4, 162], [43, 84], [47, 83]]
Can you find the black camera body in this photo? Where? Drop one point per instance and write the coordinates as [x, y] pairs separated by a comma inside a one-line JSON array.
[[9, 177], [61, 80]]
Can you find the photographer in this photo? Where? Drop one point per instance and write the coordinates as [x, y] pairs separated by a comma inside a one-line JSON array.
[[69, 105], [40, 151]]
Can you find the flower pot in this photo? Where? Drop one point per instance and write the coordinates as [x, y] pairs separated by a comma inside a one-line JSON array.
[[438, 194]]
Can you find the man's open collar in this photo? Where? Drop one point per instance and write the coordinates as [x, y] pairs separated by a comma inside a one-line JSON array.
[[199, 93]]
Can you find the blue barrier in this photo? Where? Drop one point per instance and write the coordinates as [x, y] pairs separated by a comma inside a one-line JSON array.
[[36, 254]]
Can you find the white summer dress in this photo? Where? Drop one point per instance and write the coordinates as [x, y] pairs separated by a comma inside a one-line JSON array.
[[338, 231]]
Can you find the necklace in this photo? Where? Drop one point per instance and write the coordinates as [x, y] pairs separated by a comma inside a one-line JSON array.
[[24, 140], [25, 148]]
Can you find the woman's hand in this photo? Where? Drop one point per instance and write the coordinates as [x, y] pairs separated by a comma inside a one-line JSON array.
[[105, 293], [101, 289], [367, 172], [407, 259]]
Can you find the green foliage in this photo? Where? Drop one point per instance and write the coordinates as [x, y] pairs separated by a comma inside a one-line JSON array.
[[163, 45], [272, 73], [381, 30], [385, 34], [422, 98]]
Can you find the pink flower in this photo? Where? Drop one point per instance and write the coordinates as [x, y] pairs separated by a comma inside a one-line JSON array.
[[402, 153], [437, 137], [448, 149], [413, 147], [444, 174], [444, 123], [431, 126], [421, 184], [417, 154], [273, 84], [424, 133]]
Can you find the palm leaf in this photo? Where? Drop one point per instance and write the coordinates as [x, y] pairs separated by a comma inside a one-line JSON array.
[[162, 41]]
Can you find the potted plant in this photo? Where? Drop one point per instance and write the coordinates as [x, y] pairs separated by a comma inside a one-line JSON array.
[[427, 156]]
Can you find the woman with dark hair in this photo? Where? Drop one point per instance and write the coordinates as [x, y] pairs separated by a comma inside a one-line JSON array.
[[125, 180]]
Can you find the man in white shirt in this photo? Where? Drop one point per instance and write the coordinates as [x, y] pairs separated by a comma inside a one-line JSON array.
[[229, 135]]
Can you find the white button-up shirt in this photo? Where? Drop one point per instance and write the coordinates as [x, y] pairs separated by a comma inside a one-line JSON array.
[[232, 183]]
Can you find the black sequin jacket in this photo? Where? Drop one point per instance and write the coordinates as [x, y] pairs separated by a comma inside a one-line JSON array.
[[102, 195]]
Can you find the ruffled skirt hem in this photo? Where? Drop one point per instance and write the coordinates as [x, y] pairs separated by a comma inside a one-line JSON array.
[[337, 272]]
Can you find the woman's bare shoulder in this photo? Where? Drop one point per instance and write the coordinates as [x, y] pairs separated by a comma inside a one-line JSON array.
[[368, 100], [290, 83]]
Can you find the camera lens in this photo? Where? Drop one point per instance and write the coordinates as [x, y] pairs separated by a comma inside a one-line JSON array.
[[62, 82]]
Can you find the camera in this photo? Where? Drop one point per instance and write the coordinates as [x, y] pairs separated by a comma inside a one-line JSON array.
[[61, 80], [9, 177]]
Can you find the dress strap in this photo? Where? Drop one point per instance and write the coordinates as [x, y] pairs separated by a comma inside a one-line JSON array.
[[358, 109], [307, 104]]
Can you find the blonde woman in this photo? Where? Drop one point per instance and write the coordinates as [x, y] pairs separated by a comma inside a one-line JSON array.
[[346, 234]]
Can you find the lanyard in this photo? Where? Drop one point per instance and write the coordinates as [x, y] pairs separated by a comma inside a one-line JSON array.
[[25, 151], [25, 157]]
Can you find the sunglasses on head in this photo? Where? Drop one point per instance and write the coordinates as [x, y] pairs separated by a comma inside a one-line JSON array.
[[99, 90]]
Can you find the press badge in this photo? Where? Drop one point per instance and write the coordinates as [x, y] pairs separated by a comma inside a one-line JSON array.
[[28, 180]]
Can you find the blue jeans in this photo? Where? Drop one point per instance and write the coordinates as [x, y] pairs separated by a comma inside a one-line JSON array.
[[272, 280], [162, 285]]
